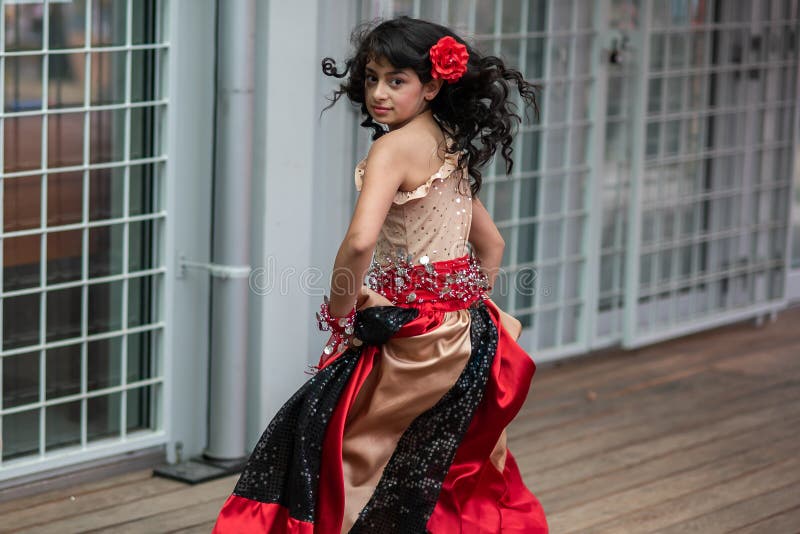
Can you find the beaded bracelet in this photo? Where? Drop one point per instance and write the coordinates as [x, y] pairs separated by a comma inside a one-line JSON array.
[[341, 327]]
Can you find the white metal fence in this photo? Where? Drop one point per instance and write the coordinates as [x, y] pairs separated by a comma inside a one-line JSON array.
[[83, 217], [652, 199]]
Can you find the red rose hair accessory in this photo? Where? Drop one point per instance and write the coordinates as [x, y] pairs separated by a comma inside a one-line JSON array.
[[449, 59]]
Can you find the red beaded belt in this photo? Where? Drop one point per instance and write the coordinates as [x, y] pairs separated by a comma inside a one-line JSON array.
[[447, 285]]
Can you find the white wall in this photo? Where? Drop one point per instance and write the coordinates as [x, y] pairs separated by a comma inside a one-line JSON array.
[[189, 139], [298, 200]]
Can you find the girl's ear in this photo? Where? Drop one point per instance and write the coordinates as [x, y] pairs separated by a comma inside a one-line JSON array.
[[431, 89]]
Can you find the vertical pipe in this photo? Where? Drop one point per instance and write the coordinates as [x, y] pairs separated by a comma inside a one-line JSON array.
[[631, 332], [231, 233]]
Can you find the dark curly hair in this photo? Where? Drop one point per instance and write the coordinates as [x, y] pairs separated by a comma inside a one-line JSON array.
[[476, 111]]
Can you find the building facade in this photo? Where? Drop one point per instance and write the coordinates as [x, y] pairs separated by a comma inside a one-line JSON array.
[[656, 195]]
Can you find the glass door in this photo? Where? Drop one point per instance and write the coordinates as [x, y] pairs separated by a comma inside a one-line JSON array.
[[652, 197], [542, 208], [82, 223], [713, 165]]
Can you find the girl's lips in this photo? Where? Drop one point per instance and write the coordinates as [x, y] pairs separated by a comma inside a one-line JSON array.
[[380, 110]]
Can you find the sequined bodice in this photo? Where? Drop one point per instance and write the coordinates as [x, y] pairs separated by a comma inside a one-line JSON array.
[[430, 223]]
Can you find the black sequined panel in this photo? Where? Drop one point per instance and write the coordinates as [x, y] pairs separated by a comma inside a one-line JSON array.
[[284, 466], [408, 490]]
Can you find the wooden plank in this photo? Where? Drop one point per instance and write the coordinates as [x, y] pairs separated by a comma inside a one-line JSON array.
[[787, 521], [616, 415], [638, 452], [76, 491], [688, 506], [661, 408], [99, 499], [137, 509], [703, 347], [741, 513], [202, 512], [203, 528], [551, 470], [568, 408], [699, 349], [682, 421], [622, 417], [662, 503], [782, 360], [585, 491]]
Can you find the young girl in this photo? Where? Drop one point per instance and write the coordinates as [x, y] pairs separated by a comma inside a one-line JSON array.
[[402, 427]]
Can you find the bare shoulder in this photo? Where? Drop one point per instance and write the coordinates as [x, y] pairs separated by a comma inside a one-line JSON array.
[[417, 151], [397, 146], [385, 169]]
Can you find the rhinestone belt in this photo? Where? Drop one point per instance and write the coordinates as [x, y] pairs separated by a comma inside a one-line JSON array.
[[399, 280]]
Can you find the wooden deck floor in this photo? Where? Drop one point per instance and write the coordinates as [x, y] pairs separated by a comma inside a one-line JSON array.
[[698, 434]]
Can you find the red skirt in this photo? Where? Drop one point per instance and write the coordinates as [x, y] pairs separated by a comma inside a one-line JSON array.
[[447, 471]]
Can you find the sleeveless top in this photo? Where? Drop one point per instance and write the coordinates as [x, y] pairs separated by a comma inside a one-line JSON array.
[[430, 223]]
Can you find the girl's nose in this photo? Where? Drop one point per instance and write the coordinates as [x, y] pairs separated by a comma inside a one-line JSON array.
[[380, 91]]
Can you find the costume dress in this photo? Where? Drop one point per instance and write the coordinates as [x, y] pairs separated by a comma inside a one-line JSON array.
[[406, 432]]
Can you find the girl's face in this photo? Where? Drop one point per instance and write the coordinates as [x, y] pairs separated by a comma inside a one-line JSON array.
[[395, 96]]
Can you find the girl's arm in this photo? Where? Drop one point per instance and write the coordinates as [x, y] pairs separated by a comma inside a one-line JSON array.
[[383, 176], [486, 240]]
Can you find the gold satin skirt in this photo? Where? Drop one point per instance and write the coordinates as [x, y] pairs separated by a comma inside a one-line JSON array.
[[410, 375]]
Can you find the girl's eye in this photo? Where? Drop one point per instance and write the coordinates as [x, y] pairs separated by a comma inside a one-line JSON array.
[[398, 81]]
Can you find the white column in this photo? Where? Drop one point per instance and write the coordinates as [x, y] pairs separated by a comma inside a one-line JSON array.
[[283, 335], [189, 141]]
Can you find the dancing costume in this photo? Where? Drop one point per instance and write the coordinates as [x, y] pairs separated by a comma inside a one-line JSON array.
[[404, 433]]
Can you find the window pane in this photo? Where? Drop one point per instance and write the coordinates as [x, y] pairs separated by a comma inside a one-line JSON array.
[[63, 371], [144, 246], [140, 408], [108, 78], [21, 203], [141, 355], [63, 423], [63, 313], [78, 73], [67, 24], [106, 187], [64, 251], [107, 135], [528, 197], [20, 434], [105, 250], [503, 200], [65, 80], [108, 23], [145, 195], [142, 295], [145, 24], [143, 71], [484, 17], [21, 262], [143, 125], [534, 64], [23, 83], [105, 307], [24, 26], [104, 416], [20, 379], [104, 360], [22, 148], [65, 139], [64, 198], [20, 321], [526, 244]]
